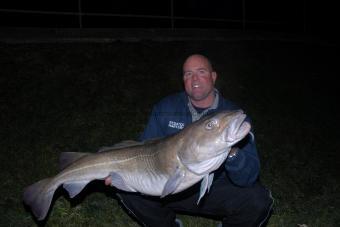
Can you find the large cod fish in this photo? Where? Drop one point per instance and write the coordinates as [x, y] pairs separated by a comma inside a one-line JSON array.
[[157, 167]]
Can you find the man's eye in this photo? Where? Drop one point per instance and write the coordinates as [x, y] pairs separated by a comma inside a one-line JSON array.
[[202, 72], [188, 74]]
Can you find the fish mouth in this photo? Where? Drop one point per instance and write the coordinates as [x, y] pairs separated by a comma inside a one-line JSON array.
[[238, 129]]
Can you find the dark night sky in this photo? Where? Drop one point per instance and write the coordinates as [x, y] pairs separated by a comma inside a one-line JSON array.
[[289, 15]]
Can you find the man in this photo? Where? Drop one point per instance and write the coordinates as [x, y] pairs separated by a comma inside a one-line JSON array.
[[235, 195]]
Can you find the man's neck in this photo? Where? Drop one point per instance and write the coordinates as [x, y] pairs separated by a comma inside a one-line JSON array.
[[198, 112], [206, 103]]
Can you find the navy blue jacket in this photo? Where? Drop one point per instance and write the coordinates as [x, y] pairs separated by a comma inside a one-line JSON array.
[[172, 114]]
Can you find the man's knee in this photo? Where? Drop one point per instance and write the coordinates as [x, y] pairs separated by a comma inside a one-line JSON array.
[[251, 207], [260, 204], [148, 211]]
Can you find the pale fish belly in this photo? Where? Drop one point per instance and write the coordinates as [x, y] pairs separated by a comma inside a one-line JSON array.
[[200, 170], [207, 166], [149, 183]]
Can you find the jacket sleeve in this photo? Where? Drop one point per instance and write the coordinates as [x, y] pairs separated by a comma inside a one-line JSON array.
[[243, 169]]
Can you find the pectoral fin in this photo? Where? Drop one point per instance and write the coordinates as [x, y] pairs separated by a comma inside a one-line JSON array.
[[210, 180], [205, 185], [173, 182]]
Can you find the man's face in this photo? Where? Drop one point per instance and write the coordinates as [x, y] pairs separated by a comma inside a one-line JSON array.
[[198, 77]]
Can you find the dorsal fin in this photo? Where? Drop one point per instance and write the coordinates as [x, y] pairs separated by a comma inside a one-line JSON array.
[[67, 158], [122, 144]]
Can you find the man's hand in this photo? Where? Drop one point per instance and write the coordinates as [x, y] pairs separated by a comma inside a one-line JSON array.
[[233, 152], [108, 181]]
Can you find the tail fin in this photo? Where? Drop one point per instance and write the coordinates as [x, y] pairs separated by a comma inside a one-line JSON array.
[[39, 196]]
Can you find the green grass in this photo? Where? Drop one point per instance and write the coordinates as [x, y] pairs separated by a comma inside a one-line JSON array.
[[81, 96]]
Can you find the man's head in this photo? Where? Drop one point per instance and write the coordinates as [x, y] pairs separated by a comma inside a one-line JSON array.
[[199, 80]]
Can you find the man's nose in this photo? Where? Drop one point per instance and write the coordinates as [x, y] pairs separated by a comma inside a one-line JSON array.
[[194, 76]]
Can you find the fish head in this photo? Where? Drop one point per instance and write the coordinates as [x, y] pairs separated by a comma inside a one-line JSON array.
[[209, 140]]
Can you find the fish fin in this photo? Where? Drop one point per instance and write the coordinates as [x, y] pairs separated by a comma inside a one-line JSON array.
[[210, 180], [118, 182], [152, 140], [39, 197], [75, 187], [67, 158], [173, 182], [203, 189], [122, 144], [205, 185]]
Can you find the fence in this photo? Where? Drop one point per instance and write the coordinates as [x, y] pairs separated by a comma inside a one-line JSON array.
[[237, 14]]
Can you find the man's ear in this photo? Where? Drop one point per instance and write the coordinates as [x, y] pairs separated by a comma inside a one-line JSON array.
[[214, 76]]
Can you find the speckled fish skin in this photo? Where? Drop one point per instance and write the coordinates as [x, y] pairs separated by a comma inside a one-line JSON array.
[[157, 167]]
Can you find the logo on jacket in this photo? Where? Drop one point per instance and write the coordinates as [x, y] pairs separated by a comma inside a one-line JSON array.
[[178, 125]]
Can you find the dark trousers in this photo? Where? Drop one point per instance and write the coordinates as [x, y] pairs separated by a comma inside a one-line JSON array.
[[235, 206]]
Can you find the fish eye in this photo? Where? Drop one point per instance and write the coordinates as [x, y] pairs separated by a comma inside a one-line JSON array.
[[211, 124]]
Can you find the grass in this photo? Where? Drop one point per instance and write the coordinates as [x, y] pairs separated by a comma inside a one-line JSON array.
[[81, 96]]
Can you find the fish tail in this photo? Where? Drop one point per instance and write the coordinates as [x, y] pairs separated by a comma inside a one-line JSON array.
[[39, 196]]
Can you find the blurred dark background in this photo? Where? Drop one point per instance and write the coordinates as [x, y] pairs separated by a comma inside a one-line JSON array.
[[299, 16]]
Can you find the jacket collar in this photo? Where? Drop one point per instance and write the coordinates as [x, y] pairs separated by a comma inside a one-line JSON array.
[[195, 115]]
